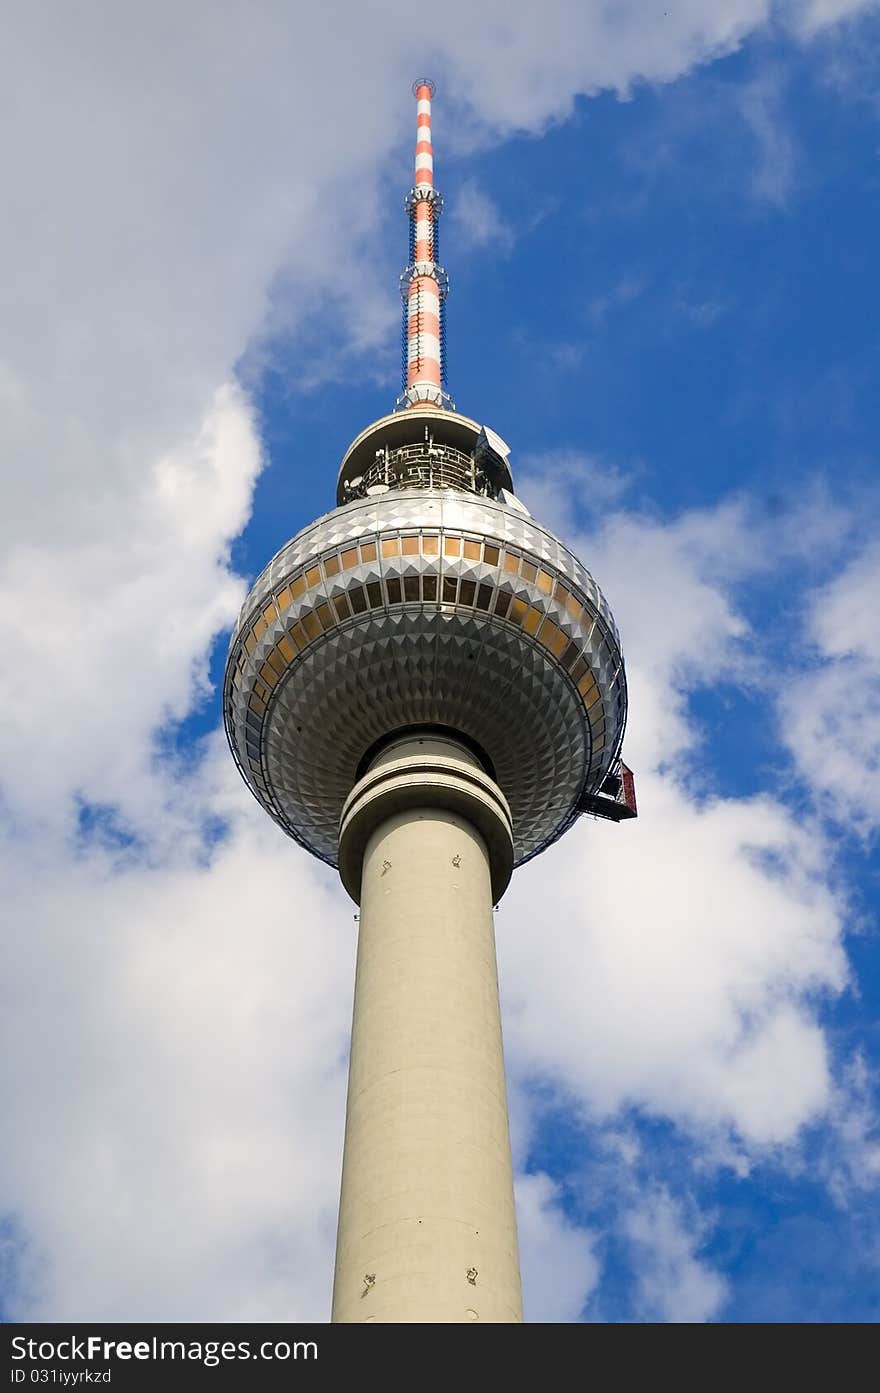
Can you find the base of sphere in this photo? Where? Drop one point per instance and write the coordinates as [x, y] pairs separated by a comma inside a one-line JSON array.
[[431, 771]]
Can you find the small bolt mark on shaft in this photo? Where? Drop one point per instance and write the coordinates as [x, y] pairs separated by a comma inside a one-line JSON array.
[[369, 1281], [456, 861], [386, 866], [472, 1276]]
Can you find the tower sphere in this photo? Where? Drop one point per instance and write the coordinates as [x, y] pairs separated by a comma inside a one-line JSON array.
[[428, 599]]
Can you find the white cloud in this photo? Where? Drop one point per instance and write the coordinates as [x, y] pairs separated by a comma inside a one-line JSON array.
[[830, 714], [478, 219], [548, 482], [674, 1283], [702, 314], [176, 1033], [627, 289], [850, 1165], [774, 172], [844, 616], [810, 17], [559, 1267], [112, 621], [680, 966]]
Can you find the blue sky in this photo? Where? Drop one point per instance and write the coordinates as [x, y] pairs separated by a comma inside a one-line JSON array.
[[661, 243], [686, 292]]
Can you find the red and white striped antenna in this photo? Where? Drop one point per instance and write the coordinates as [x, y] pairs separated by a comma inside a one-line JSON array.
[[424, 284]]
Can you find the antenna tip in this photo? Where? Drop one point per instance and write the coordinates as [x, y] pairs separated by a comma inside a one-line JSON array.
[[423, 82]]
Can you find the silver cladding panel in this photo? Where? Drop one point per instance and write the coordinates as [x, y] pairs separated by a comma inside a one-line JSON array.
[[299, 722], [421, 508]]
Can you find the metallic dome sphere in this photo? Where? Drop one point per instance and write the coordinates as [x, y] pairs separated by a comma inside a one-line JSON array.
[[424, 607]]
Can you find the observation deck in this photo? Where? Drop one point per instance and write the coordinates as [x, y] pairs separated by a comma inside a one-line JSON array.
[[424, 448]]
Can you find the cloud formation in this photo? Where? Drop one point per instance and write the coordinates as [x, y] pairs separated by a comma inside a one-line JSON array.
[[175, 1030], [673, 1284], [688, 988], [830, 716]]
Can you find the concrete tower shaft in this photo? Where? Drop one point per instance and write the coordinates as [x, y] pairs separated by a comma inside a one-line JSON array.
[[427, 1226]]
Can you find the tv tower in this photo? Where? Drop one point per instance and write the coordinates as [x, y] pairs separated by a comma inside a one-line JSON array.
[[425, 688]]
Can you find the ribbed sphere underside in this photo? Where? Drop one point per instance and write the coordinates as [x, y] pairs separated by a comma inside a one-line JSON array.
[[424, 607]]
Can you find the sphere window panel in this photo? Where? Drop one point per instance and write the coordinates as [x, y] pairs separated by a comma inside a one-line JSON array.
[[532, 620], [518, 610]]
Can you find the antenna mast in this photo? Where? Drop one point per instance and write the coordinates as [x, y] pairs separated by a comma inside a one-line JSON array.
[[424, 283]]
